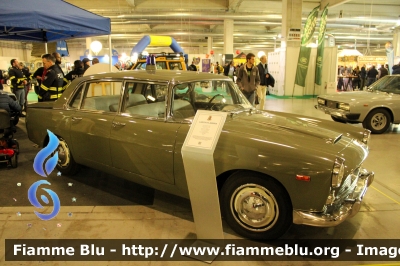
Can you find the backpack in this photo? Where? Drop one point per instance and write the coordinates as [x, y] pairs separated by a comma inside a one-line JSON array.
[[220, 69]]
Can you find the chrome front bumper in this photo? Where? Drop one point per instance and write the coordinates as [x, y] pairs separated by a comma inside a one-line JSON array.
[[350, 207], [330, 111]]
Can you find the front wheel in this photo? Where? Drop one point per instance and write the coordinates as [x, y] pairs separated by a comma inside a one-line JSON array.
[[256, 206], [66, 163], [378, 121]]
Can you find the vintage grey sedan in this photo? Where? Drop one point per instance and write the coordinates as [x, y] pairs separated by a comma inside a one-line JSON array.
[[273, 169], [375, 108]]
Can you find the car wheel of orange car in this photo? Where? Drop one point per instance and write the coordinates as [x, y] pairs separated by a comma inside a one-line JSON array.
[[66, 163], [256, 206], [378, 121]]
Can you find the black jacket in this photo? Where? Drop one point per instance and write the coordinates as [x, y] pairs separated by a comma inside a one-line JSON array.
[[263, 71], [372, 73], [76, 73], [27, 73], [363, 73], [192, 67], [396, 69], [52, 85], [9, 104], [270, 81], [16, 78]]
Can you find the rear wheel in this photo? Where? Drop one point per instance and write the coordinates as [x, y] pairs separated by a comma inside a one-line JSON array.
[[378, 121], [66, 163], [14, 160], [256, 206]]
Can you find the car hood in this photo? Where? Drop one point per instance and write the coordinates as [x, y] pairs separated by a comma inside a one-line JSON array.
[[288, 128], [355, 96]]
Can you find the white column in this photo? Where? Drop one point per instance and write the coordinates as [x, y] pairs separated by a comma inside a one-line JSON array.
[[88, 42], [291, 19], [228, 36], [209, 44], [396, 42]]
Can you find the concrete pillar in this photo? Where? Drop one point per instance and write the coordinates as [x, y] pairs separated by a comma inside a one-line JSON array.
[[209, 44], [228, 36], [201, 49], [396, 41], [88, 42], [291, 19]]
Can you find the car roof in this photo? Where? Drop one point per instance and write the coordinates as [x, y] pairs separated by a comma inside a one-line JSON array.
[[159, 75]]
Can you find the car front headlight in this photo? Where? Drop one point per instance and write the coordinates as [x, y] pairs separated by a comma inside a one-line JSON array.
[[344, 106], [321, 101], [366, 136], [337, 172]]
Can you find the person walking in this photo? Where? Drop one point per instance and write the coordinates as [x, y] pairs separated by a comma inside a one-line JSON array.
[[363, 76], [248, 78], [264, 76], [18, 82], [229, 70], [382, 72], [371, 75], [28, 85]]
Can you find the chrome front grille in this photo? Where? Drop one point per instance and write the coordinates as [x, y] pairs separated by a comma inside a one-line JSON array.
[[348, 186], [331, 104]]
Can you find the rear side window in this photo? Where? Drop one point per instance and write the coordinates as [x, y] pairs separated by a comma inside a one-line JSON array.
[[98, 96]]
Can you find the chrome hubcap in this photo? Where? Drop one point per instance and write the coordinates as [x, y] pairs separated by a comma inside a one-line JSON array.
[[378, 121], [254, 207], [63, 154]]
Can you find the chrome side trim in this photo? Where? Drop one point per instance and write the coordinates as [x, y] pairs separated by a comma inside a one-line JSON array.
[[349, 208]]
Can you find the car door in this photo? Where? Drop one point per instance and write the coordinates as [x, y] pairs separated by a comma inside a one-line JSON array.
[[394, 87], [92, 122], [141, 141]]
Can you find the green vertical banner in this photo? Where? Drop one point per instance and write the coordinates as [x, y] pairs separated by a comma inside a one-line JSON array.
[[321, 43], [304, 56]]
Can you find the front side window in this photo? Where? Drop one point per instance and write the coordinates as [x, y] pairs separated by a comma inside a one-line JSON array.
[[145, 99], [207, 95]]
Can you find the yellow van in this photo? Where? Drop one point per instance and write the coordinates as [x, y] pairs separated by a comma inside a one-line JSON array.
[[170, 61]]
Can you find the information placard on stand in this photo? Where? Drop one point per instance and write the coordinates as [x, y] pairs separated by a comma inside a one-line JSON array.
[[198, 160]]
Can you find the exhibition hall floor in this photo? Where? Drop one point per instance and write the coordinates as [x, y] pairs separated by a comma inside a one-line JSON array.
[[95, 205]]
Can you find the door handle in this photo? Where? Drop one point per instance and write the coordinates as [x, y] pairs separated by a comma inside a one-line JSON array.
[[118, 124], [74, 118]]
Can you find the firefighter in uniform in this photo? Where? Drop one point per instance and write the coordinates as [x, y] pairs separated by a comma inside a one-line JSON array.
[[52, 85], [18, 81]]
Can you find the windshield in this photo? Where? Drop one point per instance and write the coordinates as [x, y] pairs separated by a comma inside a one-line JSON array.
[[159, 65], [213, 95], [389, 84]]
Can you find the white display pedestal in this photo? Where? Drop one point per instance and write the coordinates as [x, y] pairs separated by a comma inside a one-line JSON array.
[[197, 154]]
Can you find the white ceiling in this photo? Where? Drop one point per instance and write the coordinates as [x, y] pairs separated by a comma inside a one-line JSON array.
[[364, 23]]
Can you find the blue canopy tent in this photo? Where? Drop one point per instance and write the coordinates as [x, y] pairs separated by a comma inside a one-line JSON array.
[[48, 21]]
